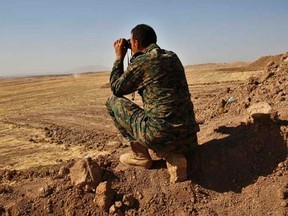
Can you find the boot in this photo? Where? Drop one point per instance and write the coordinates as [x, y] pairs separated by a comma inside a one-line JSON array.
[[177, 167], [139, 156]]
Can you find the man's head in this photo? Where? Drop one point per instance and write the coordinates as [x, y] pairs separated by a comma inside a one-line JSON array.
[[142, 36]]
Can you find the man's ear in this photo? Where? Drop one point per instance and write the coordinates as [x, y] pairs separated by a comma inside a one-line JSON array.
[[137, 44]]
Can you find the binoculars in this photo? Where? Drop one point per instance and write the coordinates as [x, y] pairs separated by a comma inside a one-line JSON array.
[[128, 44]]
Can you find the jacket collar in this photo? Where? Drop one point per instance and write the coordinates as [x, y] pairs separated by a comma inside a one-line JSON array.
[[147, 50], [151, 47]]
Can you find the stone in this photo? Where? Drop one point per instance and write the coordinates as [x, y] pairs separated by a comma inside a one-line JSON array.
[[115, 211], [63, 171], [46, 191], [86, 172], [118, 204], [49, 206], [282, 193], [128, 200], [222, 103], [279, 98], [265, 76], [283, 203], [112, 210], [139, 195], [88, 189], [104, 196], [262, 111], [270, 64], [65, 147], [259, 108], [284, 57], [114, 144], [253, 80], [281, 165], [247, 102]]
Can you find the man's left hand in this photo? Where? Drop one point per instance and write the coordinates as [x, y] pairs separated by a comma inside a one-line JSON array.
[[120, 49]]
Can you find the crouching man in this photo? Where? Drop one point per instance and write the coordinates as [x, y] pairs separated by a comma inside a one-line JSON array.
[[166, 123]]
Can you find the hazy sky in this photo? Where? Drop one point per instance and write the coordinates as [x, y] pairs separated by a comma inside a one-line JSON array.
[[44, 36]]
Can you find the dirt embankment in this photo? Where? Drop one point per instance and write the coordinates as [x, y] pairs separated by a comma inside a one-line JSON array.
[[271, 86]]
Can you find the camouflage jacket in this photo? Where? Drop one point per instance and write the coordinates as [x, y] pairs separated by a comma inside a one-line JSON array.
[[159, 77]]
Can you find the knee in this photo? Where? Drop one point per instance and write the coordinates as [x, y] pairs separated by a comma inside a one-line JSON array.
[[109, 103], [112, 102]]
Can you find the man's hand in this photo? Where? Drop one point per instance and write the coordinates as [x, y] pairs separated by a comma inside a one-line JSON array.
[[120, 50]]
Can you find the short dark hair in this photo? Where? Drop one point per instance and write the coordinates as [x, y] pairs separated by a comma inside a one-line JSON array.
[[144, 34]]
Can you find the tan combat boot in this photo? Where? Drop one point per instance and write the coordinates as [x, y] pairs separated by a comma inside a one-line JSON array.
[[177, 167], [139, 156]]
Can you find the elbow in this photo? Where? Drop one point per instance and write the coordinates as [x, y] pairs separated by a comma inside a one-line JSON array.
[[116, 91]]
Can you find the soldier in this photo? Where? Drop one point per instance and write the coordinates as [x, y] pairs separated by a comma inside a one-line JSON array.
[[166, 123]]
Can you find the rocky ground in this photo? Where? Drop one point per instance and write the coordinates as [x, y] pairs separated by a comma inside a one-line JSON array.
[[59, 149]]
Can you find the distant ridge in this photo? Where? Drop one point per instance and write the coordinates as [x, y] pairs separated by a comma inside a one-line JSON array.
[[262, 62], [86, 69], [256, 65], [217, 66]]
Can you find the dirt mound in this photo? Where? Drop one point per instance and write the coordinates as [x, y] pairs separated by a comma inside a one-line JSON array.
[[257, 65], [262, 62], [271, 87]]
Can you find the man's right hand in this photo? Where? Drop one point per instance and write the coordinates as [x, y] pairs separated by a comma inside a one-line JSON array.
[[120, 50]]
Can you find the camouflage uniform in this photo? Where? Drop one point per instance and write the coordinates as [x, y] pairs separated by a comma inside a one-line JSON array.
[[167, 121]]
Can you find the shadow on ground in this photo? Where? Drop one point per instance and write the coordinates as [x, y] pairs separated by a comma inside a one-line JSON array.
[[229, 164]]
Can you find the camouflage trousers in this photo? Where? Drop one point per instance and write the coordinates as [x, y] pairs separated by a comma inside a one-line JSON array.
[[131, 122]]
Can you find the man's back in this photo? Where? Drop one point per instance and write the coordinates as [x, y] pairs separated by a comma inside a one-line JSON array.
[[164, 85], [165, 94]]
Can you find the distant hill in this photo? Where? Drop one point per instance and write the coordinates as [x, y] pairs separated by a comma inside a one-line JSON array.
[[217, 66], [262, 62], [256, 65]]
